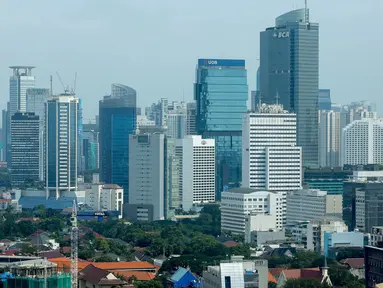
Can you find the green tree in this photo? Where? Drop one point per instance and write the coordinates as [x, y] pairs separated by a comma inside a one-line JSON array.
[[304, 283], [271, 285], [104, 258], [102, 244], [148, 284]]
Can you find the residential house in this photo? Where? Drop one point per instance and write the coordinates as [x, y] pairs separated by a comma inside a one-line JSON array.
[[94, 277], [305, 273], [355, 265], [183, 278]]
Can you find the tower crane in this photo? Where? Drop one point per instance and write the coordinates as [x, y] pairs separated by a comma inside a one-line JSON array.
[[74, 248]]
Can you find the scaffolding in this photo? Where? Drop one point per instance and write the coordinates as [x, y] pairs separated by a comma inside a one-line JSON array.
[[54, 281]]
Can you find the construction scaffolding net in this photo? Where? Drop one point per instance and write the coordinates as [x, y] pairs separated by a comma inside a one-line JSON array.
[[54, 281]]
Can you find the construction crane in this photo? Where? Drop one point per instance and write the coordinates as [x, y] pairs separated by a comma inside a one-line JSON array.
[[74, 248]]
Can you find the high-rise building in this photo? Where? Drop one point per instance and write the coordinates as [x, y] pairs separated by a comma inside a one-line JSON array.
[[36, 99], [190, 120], [90, 152], [239, 203], [373, 266], [6, 148], [105, 197], [221, 95], [324, 99], [362, 142], [270, 158], [25, 130], [284, 79], [146, 177], [329, 138], [117, 118], [176, 124], [197, 170], [158, 112], [19, 82], [310, 205], [61, 144]]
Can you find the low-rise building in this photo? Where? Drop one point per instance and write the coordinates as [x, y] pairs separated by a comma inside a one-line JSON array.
[[183, 278], [238, 203], [260, 238], [105, 197], [236, 273], [311, 233], [311, 205], [342, 239]]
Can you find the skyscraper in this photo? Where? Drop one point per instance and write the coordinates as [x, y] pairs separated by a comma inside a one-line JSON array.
[[289, 74], [36, 99], [329, 138], [190, 121], [176, 124], [270, 158], [221, 95], [19, 82], [147, 177], [324, 99], [25, 130], [61, 144], [197, 170], [362, 142], [117, 120]]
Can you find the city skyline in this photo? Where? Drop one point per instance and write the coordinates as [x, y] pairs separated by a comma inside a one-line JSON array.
[[94, 59]]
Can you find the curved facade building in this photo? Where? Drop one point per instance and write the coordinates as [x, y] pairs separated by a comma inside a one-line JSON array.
[[117, 116]]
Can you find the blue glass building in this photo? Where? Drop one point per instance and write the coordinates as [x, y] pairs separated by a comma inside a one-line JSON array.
[[221, 95], [117, 120], [289, 75], [324, 99]]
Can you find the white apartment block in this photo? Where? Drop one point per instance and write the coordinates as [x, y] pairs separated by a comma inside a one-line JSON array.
[[238, 203], [142, 120], [362, 142], [146, 175], [197, 170], [270, 159], [105, 197], [329, 138], [312, 204]]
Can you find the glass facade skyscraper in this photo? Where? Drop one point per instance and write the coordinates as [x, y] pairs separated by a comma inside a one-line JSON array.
[[289, 74], [117, 120], [61, 144], [324, 99], [221, 95], [26, 160]]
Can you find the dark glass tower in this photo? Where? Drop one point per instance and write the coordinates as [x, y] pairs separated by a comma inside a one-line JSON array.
[[25, 149], [289, 74], [221, 95], [324, 99], [117, 120]]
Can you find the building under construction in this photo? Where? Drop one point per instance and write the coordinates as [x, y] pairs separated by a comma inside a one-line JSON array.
[[54, 281]]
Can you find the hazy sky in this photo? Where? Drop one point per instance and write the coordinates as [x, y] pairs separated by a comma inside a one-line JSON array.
[[153, 45]]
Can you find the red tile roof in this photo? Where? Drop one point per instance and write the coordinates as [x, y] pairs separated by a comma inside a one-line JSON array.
[[230, 244], [276, 272], [307, 273], [271, 278], [139, 275], [354, 263]]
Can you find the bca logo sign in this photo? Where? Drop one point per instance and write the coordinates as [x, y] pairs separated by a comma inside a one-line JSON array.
[[285, 34]]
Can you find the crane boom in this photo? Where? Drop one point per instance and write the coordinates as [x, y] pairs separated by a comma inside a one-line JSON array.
[[74, 248]]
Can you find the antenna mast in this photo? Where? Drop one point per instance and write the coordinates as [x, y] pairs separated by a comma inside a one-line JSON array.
[[51, 85], [307, 20], [74, 248]]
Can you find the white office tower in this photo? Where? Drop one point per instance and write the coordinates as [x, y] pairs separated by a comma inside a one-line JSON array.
[[146, 176], [329, 138], [270, 158], [197, 170], [61, 144], [105, 197], [362, 142], [238, 203], [19, 82], [312, 204], [36, 99], [176, 124]]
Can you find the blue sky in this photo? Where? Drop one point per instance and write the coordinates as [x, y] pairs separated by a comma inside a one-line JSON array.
[[153, 45]]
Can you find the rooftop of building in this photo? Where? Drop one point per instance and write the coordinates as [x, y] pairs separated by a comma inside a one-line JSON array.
[[354, 263], [97, 276], [243, 190], [111, 186]]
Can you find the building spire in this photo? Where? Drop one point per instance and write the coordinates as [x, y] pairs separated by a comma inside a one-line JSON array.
[[277, 98], [306, 13]]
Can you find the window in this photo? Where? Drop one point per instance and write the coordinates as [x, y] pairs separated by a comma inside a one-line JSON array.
[[227, 282]]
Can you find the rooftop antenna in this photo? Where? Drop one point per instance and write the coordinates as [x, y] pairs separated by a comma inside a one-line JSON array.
[[51, 85], [306, 13]]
